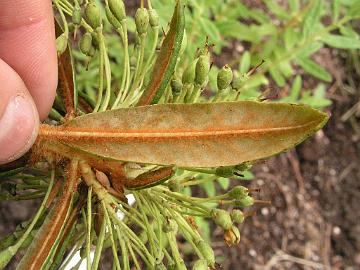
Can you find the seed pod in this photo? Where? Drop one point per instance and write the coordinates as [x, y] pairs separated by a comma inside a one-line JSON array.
[[174, 185], [200, 265], [61, 43], [224, 77], [141, 20], [243, 166], [111, 18], [221, 218], [153, 17], [225, 172], [170, 225], [238, 193], [176, 87], [76, 16], [207, 252], [237, 216], [188, 76], [98, 219], [71, 27], [85, 43], [117, 8], [103, 179], [92, 15], [244, 202], [202, 69], [232, 236]]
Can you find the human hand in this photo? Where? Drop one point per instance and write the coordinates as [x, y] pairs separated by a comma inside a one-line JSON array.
[[28, 73]]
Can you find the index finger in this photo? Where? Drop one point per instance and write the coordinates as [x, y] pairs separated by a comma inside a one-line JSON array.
[[27, 44]]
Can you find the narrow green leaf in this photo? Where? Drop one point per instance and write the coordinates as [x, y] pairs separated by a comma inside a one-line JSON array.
[[296, 88], [341, 42], [189, 135], [245, 62], [312, 17], [277, 76], [167, 58], [335, 9], [314, 69]]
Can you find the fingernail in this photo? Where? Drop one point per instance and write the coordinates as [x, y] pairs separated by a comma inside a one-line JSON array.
[[18, 128]]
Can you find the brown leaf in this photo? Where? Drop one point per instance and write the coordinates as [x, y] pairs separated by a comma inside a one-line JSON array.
[[190, 135], [165, 64]]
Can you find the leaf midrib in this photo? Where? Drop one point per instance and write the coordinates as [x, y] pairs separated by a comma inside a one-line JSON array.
[[69, 134]]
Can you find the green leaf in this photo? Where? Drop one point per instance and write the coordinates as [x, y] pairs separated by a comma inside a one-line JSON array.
[[354, 10], [296, 88], [224, 182], [165, 64], [335, 9], [314, 69], [312, 17], [277, 76], [188, 135], [341, 42], [277, 10], [245, 62]]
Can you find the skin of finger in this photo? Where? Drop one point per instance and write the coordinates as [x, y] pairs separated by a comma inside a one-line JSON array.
[[27, 44], [17, 132]]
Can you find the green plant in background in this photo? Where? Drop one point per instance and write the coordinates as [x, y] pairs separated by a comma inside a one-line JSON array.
[[107, 141]]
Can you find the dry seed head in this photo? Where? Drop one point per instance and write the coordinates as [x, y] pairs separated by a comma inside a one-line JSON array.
[[222, 218], [224, 77], [153, 17], [92, 15], [117, 8], [232, 236], [141, 20]]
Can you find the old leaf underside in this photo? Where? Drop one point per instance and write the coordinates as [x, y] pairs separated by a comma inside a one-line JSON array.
[[166, 60], [191, 135]]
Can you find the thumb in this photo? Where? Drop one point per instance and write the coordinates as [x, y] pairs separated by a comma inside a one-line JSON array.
[[19, 120]]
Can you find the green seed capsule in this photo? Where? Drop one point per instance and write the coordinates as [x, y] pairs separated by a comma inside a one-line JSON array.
[[238, 193], [225, 172], [76, 17], [170, 225], [202, 69], [237, 216], [232, 236], [176, 87], [200, 265], [153, 17], [244, 202], [117, 8], [92, 15], [207, 252], [86, 44], [222, 218], [224, 78], [141, 20], [174, 185], [111, 18], [61, 43], [188, 76]]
